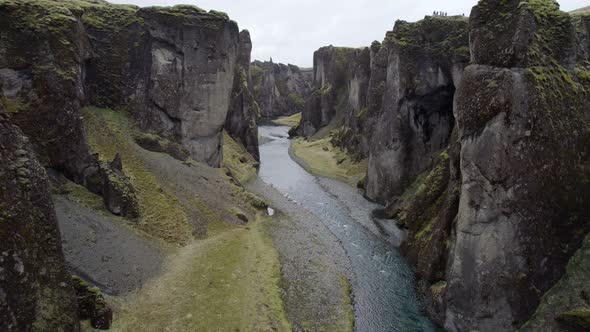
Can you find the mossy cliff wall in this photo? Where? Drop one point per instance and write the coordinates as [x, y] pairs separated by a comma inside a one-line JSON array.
[[480, 148], [280, 89], [409, 118], [523, 115], [173, 67], [36, 293]]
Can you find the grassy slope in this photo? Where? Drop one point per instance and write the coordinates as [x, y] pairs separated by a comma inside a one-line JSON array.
[[224, 283], [110, 132], [238, 160], [320, 157], [290, 121]]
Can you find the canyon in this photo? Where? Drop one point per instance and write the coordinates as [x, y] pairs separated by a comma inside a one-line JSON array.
[[138, 191]]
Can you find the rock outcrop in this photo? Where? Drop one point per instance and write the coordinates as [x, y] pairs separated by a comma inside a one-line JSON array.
[[522, 116], [43, 48], [36, 293], [92, 305], [280, 89], [244, 110]]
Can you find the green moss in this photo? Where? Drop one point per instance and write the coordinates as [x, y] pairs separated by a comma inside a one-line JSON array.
[[579, 318], [219, 14], [438, 289], [81, 195], [235, 157], [110, 132], [347, 305], [362, 114], [321, 157], [325, 90], [296, 99], [13, 105]]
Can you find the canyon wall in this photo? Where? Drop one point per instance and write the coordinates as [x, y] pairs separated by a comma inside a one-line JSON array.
[[280, 89], [172, 68], [244, 110], [36, 293], [479, 147], [522, 112], [340, 77]]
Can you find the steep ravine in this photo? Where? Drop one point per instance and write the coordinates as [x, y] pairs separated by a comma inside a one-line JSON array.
[[479, 148], [382, 283], [135, 195]]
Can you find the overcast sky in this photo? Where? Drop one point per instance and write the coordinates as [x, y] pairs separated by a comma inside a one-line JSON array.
[[290, 31]]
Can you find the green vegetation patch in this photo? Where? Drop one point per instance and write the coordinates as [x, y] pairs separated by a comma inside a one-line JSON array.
[[229, 282], [290, 121], [322, 158], [242, 165], [162, 216]]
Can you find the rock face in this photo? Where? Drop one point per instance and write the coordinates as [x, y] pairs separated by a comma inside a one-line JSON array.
[[243, 111], [522, 113], [175, 67], [41, 81], [35, 290], [486, 165], [413, 121], [340, 76], [172, 67], [280, 89]]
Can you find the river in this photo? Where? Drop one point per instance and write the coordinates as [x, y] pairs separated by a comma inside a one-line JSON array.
[[383, 283]]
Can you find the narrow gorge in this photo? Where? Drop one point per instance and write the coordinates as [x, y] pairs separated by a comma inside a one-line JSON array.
[[156, 175]]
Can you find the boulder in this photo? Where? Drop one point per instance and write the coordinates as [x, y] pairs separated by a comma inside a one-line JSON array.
[[92, 305]]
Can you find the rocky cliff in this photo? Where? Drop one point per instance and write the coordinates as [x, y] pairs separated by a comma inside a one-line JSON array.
[[413, 121], [36, 293], [340, 77], [479, 147], [172, 67], [522, 116], [280, 89], [244, 110]]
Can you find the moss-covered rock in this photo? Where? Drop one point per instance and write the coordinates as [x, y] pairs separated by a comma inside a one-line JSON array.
[[36, 291], [92, 305], [156, 143], [409, 116], [522, 115]]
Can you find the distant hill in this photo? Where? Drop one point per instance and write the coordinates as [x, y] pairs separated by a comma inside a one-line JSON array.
[[581, 10]]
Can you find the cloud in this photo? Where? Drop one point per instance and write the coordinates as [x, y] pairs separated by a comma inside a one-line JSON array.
[[290, 31]]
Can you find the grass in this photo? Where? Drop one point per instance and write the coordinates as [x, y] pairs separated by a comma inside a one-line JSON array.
[[290, 121], [320, 157], [229, 282], [238, 160], [348, 305], [162, 216]]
